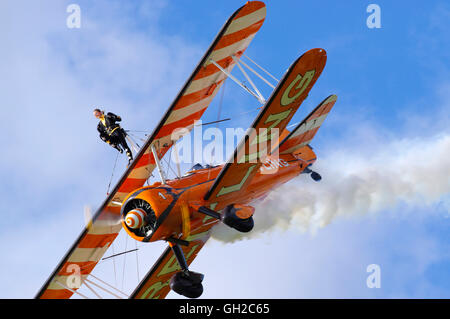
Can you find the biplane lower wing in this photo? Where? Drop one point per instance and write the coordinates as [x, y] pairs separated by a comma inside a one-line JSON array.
[[155, 285], [276, 114], [188, 106], [307, 129]]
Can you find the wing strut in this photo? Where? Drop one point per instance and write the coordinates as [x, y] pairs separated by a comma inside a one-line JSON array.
[[242, 85], [256, 93], [177, 160], [261, 98], [158, 164], [257, 74]]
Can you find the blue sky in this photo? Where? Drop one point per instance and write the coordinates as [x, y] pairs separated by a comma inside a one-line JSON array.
[[132, 58]]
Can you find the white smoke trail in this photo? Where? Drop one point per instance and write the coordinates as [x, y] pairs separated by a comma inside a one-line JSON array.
[[415, 172]]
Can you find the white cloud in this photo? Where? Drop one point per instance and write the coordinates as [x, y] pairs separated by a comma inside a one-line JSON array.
[[408, 171]]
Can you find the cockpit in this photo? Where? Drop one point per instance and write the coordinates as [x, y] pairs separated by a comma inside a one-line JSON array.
[[197, 167]]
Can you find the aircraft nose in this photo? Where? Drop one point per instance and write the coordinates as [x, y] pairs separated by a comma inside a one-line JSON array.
[[135, 218]]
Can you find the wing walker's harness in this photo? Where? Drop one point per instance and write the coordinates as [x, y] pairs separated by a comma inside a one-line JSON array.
[[112, 133]]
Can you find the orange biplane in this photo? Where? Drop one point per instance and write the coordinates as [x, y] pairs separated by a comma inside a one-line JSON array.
[[182, 211]]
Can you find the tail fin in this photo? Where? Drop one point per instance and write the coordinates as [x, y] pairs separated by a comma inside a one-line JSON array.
[[306, 130]]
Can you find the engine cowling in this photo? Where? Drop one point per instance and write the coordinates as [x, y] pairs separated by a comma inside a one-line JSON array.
[[144, 210]]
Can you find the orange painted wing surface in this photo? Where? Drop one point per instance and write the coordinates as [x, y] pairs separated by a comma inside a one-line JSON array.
[[276, 114], [188, 107], [307, 129], [155, 285]]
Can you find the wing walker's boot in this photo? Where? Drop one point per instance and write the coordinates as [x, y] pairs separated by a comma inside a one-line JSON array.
[[117, 147], [130, 156]]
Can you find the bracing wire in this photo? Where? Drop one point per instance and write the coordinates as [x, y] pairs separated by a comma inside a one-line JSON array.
[[219, 111], [264, 70], [124, 261], [114, 264], [112, 174], [169, 167], [169, 161], [137, 262], [135, 137]]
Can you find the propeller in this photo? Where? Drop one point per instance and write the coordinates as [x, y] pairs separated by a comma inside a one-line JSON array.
[[107, 219]]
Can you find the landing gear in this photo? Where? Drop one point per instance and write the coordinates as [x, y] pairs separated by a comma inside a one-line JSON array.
[[238, 217], [185, 282], [314, 175]]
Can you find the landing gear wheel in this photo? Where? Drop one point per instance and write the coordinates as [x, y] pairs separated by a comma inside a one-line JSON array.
[[316, 176], [187, 283], [230, 219]]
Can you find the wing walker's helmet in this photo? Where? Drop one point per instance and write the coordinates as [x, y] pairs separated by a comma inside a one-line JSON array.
[[97, 112]]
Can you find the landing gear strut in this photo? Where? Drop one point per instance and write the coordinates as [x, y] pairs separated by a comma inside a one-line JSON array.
[[236, 216], [314, 175], [185, 282]]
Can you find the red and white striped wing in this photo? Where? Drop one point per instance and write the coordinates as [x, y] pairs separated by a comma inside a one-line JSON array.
[[188, 107], [307, 129], [198, 92]]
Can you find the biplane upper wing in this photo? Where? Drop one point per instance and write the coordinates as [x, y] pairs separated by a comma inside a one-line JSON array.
[[307, 129], [279, 109], [276, 114], [188, 106]]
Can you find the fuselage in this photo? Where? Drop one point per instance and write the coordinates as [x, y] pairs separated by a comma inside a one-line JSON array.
[[175, 203]]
